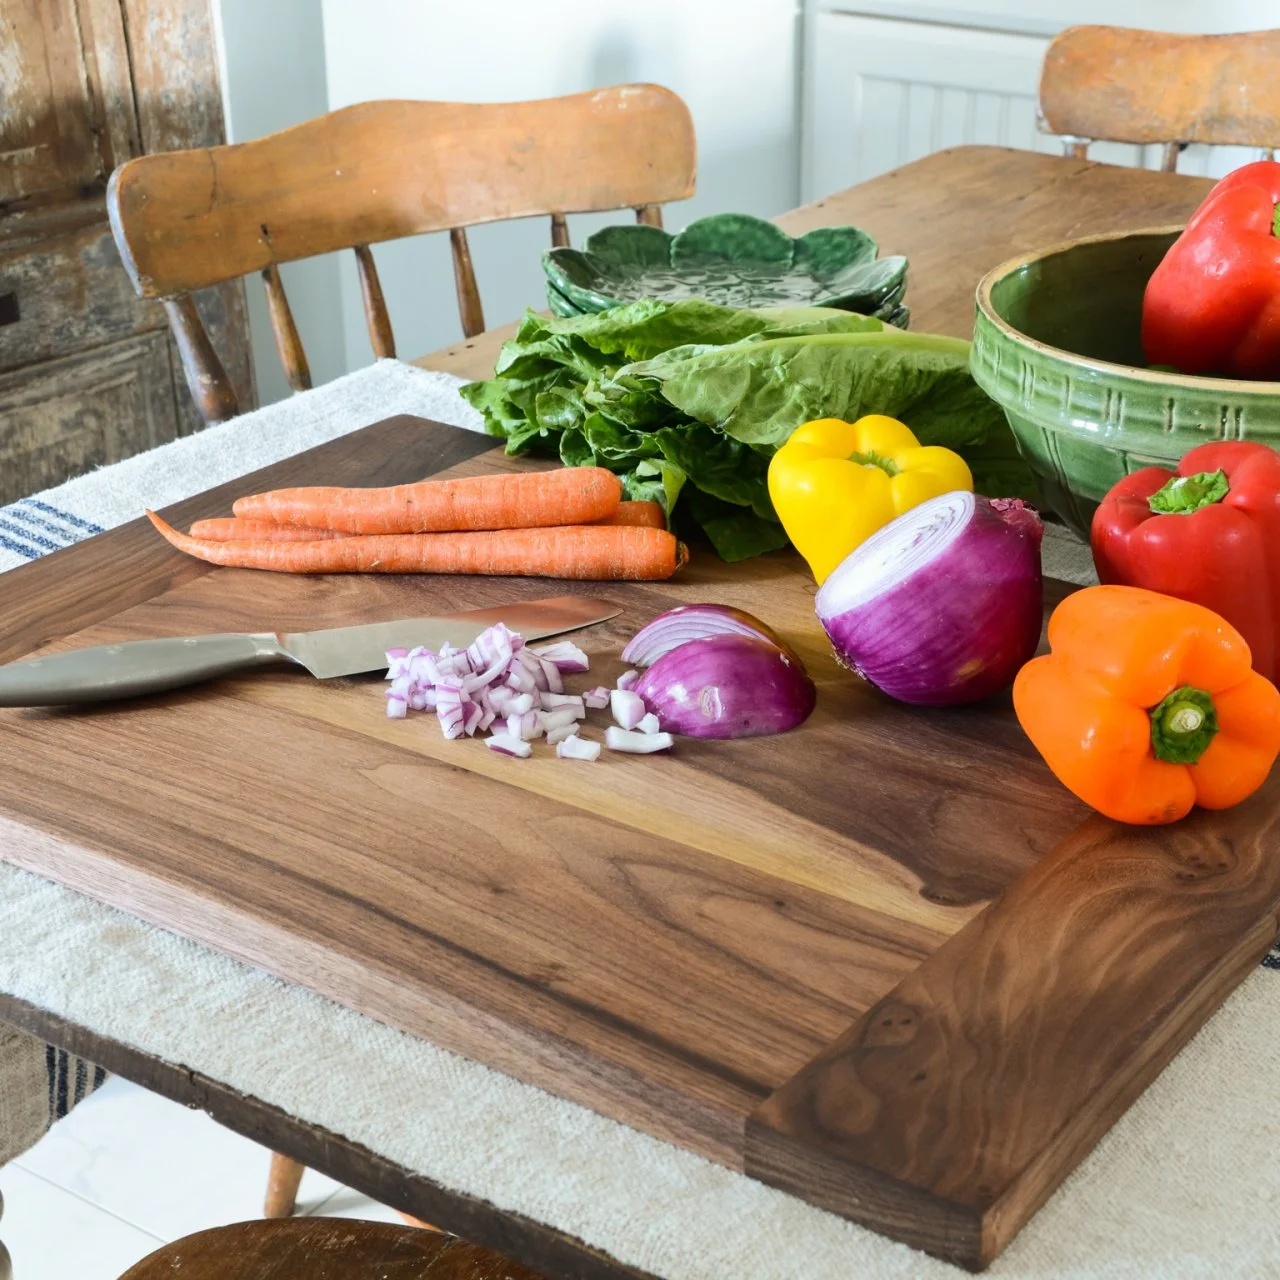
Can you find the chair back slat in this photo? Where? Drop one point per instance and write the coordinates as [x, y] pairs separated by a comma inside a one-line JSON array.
[[1122, 85], [649, 215], [382, 170], [559, 231], [211, 389], [464, 276], [375, 305], [288, 344]]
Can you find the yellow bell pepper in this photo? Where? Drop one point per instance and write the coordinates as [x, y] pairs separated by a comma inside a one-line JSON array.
[[833, 483]]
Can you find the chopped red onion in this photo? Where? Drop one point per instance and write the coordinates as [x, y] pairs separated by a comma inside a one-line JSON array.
[[553, 701], [508, 745], [596, 699], [575, 748], [649, 724], [496, 682], [568, 658], [628, 679], [554, 719], [639, 744], [560, 733], [628, 708]]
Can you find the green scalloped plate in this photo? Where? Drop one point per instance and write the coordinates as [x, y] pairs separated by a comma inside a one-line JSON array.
[[730, 258], [891, 312]]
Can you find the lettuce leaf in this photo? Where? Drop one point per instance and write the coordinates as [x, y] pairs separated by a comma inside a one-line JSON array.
[[687, 401]]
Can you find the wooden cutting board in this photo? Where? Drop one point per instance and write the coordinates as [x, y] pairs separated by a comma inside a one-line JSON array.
[[884, 962]]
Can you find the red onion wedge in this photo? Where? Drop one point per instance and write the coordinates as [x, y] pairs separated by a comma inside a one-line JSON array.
[[695, 622], [942, 605], [727, 686]]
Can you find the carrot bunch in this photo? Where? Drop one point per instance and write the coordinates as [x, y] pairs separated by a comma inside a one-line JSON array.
[[570, 523]]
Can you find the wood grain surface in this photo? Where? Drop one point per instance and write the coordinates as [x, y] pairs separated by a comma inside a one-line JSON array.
[[696, 944], [323, 1249]]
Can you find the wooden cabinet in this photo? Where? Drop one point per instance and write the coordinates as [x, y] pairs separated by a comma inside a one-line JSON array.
[[87, 370]]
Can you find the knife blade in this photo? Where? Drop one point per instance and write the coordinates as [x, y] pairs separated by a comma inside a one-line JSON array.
[[105, 672]]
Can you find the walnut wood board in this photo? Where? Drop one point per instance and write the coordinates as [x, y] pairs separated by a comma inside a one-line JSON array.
[[738, 948], [819, 939]]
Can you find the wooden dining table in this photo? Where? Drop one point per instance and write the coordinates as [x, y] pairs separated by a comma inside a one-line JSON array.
[[955, 215]]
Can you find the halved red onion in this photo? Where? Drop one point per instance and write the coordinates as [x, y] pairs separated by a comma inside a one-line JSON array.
[[942, 605], [694, 622], [727, 686]]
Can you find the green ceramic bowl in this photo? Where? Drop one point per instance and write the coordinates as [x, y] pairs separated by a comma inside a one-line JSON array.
[[1057, 344]]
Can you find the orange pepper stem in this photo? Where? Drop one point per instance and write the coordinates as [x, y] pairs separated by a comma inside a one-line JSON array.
[[873, 459], [1185, 494], [1183, 725]]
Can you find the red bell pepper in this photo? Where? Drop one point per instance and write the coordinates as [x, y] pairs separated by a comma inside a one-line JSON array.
[[1212, 306], [1208, 532]]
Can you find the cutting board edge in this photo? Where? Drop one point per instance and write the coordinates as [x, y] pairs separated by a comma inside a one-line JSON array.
[[782, 1149]]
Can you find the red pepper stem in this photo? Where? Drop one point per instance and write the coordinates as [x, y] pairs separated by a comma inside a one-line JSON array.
[[1183, 725], [1275, 221], [1184, 494]]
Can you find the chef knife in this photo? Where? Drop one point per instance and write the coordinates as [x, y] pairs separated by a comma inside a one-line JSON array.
[[133, 667]]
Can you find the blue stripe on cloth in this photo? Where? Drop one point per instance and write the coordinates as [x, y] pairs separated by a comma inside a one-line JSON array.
[[31, 536], [64, 535], [65, 516], [20, 548]]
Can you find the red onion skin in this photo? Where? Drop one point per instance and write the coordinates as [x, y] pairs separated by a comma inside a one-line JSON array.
[[694, 622], [727, 686], [981, 622]]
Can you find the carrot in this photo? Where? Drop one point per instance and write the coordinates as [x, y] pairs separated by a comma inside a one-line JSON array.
[[237, 529], [619, 552], [532, 499], [647, 515]]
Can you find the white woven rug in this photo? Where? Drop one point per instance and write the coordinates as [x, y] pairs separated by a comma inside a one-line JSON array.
[[1187, 1184]]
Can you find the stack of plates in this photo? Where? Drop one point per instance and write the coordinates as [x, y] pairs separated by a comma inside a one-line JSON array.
[[729, 258]]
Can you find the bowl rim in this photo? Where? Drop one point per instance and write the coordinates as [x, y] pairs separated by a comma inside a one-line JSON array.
[[1195, 382]]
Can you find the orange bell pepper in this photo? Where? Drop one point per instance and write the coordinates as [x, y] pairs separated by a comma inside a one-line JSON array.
[[1147, 705]]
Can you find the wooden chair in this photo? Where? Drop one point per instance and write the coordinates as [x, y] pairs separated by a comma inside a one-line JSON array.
[[323, 1249], [1120, 85], [379, 171]]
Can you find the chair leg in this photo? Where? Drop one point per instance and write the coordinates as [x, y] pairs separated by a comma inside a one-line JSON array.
[[418, 1222], [5, 1271], [282, 1186]]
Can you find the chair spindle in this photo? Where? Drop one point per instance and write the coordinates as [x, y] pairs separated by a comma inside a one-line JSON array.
[[211, 389], [650, 215], [1169, 157], [288, 344], [375, 305], [464, 276], [559, 231]]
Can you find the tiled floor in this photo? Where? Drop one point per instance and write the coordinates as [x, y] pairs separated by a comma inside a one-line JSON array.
[[129, 1170]]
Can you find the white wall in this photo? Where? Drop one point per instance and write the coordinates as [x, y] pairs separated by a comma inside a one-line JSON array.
[[273, 76], [733, 61]]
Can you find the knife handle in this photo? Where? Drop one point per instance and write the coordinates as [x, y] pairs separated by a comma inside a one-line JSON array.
[[133, 667]]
